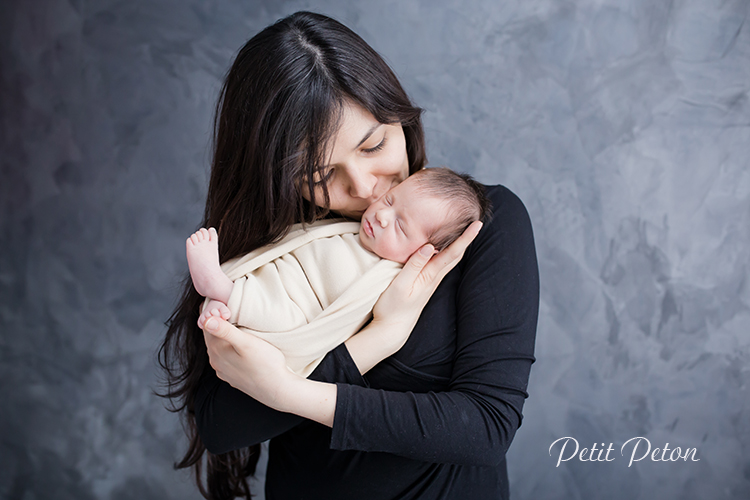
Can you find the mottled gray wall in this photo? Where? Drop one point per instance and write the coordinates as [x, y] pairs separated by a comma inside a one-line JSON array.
[[623, 125]]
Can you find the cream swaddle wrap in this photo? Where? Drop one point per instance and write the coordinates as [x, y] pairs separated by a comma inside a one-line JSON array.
[[309, 292]]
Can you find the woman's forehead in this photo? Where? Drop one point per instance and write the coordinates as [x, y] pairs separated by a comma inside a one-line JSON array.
[[355, 125]]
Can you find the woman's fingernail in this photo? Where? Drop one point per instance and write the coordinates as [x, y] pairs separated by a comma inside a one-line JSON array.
[[426, 250], [211, 325]]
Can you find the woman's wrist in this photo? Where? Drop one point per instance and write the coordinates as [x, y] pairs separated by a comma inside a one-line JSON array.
[[377, 341], [308, 398]]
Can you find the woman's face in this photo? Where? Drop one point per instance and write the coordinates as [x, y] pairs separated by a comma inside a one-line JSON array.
[[366, 160]]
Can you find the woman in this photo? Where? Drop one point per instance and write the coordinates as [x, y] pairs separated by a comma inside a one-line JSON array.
[[311, 121]]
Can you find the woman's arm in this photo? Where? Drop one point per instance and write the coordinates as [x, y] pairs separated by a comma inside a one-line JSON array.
[[228, 419]]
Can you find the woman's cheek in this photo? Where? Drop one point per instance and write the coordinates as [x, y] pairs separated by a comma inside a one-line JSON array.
[[342, 202], [336, 196], [396, 163], [399, 156]]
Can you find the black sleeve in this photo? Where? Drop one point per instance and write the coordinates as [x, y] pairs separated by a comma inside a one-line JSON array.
[[229, 419], [472, 422]]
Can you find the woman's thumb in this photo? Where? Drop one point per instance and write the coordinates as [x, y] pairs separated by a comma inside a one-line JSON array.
[[427, 251], [217, 327], [421, 257]]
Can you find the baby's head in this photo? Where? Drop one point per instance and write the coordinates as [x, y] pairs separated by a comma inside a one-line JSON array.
[[434, 205]]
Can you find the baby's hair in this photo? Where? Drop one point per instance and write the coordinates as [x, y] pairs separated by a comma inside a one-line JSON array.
[[464, 197]]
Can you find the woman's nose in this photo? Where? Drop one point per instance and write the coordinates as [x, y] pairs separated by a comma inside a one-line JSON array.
[[362, 185]]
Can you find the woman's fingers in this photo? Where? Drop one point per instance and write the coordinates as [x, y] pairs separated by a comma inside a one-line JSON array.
[[426, 268], [223, 330], [245, 344], [244, 361], [415, 264], [407, 295], [447, 259]]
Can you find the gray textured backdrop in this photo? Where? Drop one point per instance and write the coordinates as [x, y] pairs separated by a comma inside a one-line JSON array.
[[623, 125]]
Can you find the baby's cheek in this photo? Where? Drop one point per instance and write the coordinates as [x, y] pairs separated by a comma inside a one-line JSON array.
[[413, 247], [391, 252], [403, 252], [363, 242]]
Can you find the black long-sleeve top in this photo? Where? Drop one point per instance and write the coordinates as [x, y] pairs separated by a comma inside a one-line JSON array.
[[434, 420]]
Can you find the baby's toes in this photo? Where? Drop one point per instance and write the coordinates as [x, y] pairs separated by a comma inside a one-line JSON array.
[[225, 312]]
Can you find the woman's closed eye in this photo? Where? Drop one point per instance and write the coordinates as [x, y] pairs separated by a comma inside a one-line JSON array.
[[376, 148], [323, 175]]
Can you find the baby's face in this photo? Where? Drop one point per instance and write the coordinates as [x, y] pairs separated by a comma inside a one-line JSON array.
[[400, 222]]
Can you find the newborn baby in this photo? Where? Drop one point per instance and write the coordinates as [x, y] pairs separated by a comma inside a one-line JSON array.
[[331, 272]]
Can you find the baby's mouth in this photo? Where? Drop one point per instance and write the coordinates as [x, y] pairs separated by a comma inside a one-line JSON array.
[[368, 228]]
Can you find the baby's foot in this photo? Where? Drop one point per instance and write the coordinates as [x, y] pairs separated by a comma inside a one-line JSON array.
[[213, 308], [203, 260]]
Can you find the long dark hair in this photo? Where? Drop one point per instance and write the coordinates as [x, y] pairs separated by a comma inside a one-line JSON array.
[[278, 109]]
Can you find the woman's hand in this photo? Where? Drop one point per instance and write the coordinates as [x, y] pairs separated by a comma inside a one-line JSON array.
[[245, 361], [399, 307], [259, 369], [403, 301]]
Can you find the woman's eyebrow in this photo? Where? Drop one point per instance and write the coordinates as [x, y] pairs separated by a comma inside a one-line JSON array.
[[368, 134]]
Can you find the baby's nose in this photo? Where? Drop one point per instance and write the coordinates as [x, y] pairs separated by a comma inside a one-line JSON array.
[[382, 218]]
